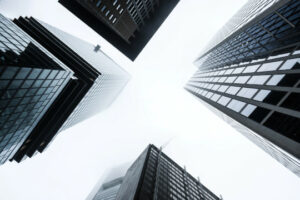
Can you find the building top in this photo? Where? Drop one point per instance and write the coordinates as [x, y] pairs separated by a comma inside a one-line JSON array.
[[156, 176], [246, 15], [127, 25]]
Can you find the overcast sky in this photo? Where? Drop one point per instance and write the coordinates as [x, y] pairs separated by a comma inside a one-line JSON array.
[[153, 108]]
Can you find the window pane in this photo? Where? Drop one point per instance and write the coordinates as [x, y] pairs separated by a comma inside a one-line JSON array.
[[269, 66], [247, 92], [258, 80], [236, 105], [248, 110], [233, 90]]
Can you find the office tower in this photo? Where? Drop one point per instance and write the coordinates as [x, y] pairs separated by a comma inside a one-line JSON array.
[[126, 24], [108, 187], [63, 99], [31, 79], [154, 176], [109, 190], [249, 75]]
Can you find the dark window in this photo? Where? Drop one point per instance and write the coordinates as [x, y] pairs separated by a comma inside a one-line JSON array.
[[274, 97], [259, 114], [285, 125], [289, 80], [292, 102], [9, 73]]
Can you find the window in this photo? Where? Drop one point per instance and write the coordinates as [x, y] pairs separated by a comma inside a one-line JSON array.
[[275, 79], [258, 80], [223, 88], [248, 110], [292, 102], [270, 66], [215, 97], [236, 105], [242, 79], [284, 124], [247, 92], [291, 64], [224, 100], [251, 69], [233, 90], [238, 70], [261, 95], [259, 114], [98, 3]]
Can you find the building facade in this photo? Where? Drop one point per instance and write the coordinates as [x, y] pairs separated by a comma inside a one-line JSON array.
[[126, 24], [154, 176], [250, 76], [108, 190], [77, 81], [31, 78], [108, 186]]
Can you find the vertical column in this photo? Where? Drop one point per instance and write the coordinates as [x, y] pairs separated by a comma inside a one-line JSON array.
[[186, 183], [157, 175]]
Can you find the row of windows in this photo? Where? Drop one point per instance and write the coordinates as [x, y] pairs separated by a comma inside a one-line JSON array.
[[245, 94], [173, 182], [30, 79], [258, 39], [139, 9], [109, 14]]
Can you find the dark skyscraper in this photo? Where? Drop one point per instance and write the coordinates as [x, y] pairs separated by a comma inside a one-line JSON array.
[[31, 79], [70, 82], [126, 24], [250, 76], [154, 176]]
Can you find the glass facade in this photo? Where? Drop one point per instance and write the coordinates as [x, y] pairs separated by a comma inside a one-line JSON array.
[[109, 190], [30, 80], [160, 178], [106, 87], [253, 76], [95, 84]]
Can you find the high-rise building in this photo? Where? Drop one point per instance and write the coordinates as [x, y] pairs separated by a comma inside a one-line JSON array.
[[107, 188], [57, 100], [250, 75], [126, 24], [154, 176], [31, 79]]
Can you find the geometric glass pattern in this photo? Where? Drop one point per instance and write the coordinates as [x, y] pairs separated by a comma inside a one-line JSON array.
[[30, 80], [252, 75], [155, 176]]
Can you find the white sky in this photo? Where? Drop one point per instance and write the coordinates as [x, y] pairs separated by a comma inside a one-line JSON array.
[[153, 108]]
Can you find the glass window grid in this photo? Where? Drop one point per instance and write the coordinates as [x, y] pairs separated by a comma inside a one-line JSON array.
[[198, 85], [258, 37], [15, 123], [173, 183]]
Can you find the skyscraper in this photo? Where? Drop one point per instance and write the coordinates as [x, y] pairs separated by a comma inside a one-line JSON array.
[[154, 176], [249, 75], [31, 79], [94, 81], [108, 186], [126, 24]]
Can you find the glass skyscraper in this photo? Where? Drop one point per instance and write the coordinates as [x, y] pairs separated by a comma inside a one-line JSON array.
[[46, 91], [108, 190], [155, 176], [126, 24], [250, 75], [31, 78]]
